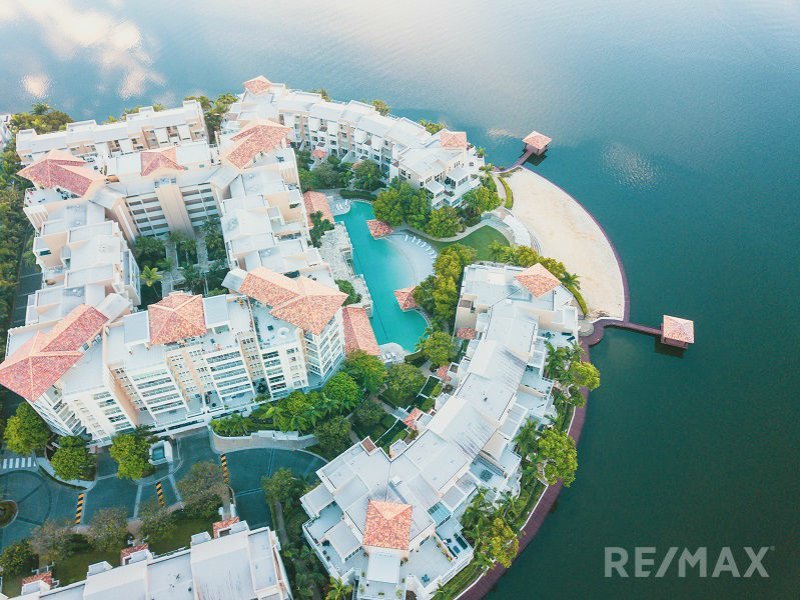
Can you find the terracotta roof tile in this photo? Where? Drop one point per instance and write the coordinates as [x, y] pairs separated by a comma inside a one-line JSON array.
[[453, 139], [466, 333], [301, 301], [388, 525], [42, 360], [441, 373], [46, 577], [317, 202], [156, 160], [126, 552], [319, 153], [59, 169], [538, 280], [176, 317], [538, 140], [260, 136], [411, 420], [379, 228], [675, 328], [257, 85], [224, 524], [358, 333], [405, 298]]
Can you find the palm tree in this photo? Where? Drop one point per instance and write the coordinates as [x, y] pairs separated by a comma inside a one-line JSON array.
[[338, 590], [526, 438], [442, 593], [510, 504], [40, 108], [478, 514], [150, 275], [193, 277], [570, 281]]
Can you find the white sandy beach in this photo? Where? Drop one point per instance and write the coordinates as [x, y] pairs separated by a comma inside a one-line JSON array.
[[568, 233]]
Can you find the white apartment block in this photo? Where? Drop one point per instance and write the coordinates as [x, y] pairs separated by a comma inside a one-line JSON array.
[[145, 129], [185, 359], [390, 523], [236, 564], [444, 164]]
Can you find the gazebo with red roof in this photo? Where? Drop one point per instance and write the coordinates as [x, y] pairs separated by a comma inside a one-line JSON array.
[[405, 298], [677, 332], [379, 228], [537, 143]]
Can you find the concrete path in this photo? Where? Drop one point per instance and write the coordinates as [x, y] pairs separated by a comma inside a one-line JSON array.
[[569, 233]]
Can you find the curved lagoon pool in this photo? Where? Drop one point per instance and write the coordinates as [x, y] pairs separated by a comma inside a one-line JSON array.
[[386, 269]]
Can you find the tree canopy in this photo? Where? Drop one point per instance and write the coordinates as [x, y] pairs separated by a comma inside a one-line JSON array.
[[444, 222], [367, 175], [438, 348], [403, 382], [18, 558], [132, 453], [203, 489], [438, 293], [72, 460], [283, 486], [51, 540], [369, 371], [25, 431], [333, 435], [557, 456], [347, 287], [342, 392], [158, 523], [108, 529]]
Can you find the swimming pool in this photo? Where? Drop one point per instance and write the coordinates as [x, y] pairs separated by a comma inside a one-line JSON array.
[[386, 269]]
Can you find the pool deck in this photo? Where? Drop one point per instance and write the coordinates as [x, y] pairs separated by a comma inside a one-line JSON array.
[[567, 232]]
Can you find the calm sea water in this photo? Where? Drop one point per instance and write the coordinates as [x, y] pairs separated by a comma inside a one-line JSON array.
[[676, 124]]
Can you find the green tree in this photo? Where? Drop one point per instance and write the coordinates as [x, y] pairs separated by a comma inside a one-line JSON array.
[[333, 435], [338, 590], [150, 276], [283, 486], [368, 414], [325, 176], [417, 209], [444, 222], [502, 542], [438, 348], [51, 540], [295, 412], [369, 371], [403, 382], [585, 374], [367, 175], [148, 249], [478, 201], [346, 287], [342, 391], [432, 126], [108, 529], [319, 226], [72, 460], [322, 92], [203, 489], [557, 456], [132, 453], [214, 111], [25, 432], [388, 206], [158, 523], [381, 107], [18, 558], [526, 438]]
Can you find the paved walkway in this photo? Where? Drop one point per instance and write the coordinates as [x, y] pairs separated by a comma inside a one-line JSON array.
[[569, 233]]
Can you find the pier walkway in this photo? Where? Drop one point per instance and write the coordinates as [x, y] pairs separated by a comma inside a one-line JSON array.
[[600, 325]]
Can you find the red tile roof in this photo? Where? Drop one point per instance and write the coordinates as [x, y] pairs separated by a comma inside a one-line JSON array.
[[538, 280], [176, 317], [411, 420], [317, 202], [466, 333], [388, 525], [358, 333], [379, 228], [46, 577], [405, 298], [260, 136], [441, 373], [319, 153], [301, 301], [59, 169], [126, 552], [453, 139], [156, 160], [257, 85], [224, 524], [368, 445], [47, 356], [675, 328], [537, 140]]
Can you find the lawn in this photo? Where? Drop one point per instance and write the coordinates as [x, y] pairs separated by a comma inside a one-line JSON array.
[[478, 239], [185, 528], [73, 568]]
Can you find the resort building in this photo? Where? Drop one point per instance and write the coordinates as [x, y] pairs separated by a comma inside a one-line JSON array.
[[237, 563], [390, 523], [185, 359], [444, 164], [145, 129]]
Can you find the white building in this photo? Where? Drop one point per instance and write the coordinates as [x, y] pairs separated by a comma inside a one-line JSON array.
[[444, 163], [390, 523], [236, 564]]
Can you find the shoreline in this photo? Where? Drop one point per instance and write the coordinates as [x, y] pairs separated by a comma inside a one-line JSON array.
[[486, 582]]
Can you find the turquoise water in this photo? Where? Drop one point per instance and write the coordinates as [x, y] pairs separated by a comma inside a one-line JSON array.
[[385, 269], [675, 123]]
